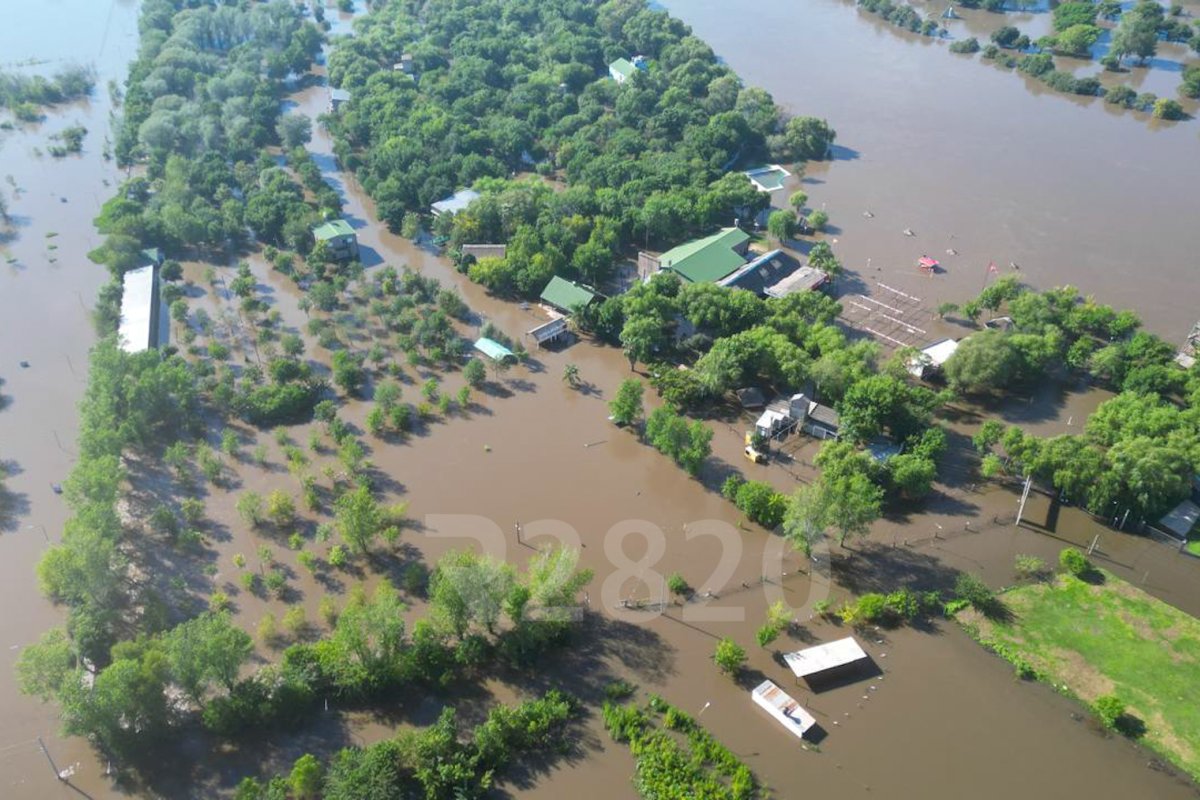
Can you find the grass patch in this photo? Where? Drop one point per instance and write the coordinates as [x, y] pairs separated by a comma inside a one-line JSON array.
[[1094, 639], [1193, 545]]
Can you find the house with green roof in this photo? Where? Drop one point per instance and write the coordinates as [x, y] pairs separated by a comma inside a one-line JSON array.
[[567, 296], [710, 259], [622, 69], [339, 237]]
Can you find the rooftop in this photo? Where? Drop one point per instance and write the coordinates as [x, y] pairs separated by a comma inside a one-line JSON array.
[[804, 279], [709, 259], [332, 229], [455, 202], [494, 350], [623, 67], [824, 657], [339, 95], [1182, 519], [565, 295], [136, 329]]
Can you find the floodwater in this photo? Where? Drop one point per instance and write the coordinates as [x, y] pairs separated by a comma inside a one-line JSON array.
[[973, 158], [45, 300], [942, 719]]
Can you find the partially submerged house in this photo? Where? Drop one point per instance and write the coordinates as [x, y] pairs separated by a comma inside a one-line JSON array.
[[549, 332], [799, 411], [339, 237], [775, 274], [567, 296], [706, 260], [931, 359], [455, 202], [337, 99], [495, 351], [623, 69], [138, 326], [405, 65]]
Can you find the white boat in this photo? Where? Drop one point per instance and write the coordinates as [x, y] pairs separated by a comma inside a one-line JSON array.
[[783, 707]]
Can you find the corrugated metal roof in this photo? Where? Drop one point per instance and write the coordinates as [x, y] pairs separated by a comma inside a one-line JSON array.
[[485, 250], [332, 229], [565, 295], [709, 259], [623, 67], [494, 350], [137, 328], [825, 657], [455, 202]]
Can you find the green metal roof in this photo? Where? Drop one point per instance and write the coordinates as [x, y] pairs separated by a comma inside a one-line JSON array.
[[494, 350], [622, 66], [565, 295], [332, 230], [708, 259]]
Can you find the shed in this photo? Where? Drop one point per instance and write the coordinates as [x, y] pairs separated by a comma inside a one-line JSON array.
[[931, 359], [784, 708], [478, 251], [337, 98], [495, 351], [455, 202], [750, 397], [823, 658], [567, 296], [709, 259], [1181, 519], [138, 327], [548, 331], [804, 279], [763, 271]]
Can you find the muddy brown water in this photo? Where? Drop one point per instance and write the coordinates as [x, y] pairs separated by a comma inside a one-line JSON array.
[[943, 719]]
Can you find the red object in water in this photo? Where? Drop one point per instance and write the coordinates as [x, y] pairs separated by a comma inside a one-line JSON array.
[[925, 262]]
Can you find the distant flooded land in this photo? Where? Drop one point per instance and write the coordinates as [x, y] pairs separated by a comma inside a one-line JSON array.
[[527, 399]]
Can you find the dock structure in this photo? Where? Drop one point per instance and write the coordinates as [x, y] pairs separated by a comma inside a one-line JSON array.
[[138, 328], [820, 661], [784, 708]]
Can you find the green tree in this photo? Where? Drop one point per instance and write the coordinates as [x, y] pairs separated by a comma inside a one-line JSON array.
[[626, 406], [204, 650], [305, 778], [729, 656], [474, 373], [781, 224], [468, 590], [359, 518], [983, 363], [295, 130], [808, 138], [348, 372]]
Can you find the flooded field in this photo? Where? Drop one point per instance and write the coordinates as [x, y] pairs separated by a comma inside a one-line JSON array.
[[943, 719]]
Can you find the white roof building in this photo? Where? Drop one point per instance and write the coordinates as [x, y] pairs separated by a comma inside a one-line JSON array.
[[455, 202], [138, 328], [824, 657], [784, 708], [931, 358]]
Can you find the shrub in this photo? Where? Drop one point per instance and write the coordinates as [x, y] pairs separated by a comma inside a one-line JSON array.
[[677, 584], [970, 588], [268, 630], [1074, 562], [967, 46], [729, 656], [1109, 709], [618, 690], [766, 634], [1029, 567]]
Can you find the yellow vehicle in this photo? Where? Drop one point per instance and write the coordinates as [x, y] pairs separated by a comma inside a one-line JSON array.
[[753, 453]]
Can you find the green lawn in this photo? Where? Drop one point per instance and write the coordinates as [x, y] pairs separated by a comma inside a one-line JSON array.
[[1110, 638]]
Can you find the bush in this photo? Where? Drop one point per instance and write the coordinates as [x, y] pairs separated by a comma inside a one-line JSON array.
[[729, 656], [970, 588], [966, 46], [1029, 567], [1074, 562], [766, 634], [677, 584], [1109, 709]]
